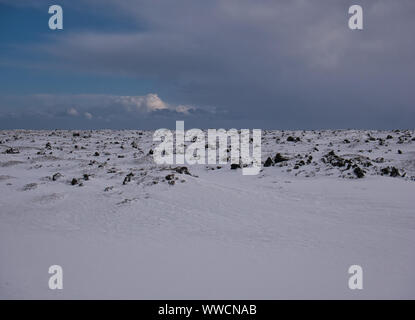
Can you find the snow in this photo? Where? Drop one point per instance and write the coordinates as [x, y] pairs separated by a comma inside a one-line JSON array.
[[286, 233]]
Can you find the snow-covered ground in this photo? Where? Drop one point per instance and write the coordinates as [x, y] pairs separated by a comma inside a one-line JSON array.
[[95, 203]]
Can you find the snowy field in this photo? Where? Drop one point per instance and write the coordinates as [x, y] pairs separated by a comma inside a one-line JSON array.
[[121, 226]]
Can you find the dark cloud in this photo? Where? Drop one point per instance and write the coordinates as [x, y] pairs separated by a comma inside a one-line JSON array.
[[269, 64]]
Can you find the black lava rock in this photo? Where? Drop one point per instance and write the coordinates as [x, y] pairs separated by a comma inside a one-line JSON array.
[[182, 170], [385, 170], [391, 171], [56, 176], [279, 158], [268, 162], [359, 172], [128, 178], [292, 139], [12, 151], [335, 160], [395, 172]]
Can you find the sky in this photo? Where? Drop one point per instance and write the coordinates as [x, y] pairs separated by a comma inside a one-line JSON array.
[[265, 64]]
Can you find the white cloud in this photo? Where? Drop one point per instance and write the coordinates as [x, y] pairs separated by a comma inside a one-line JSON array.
[[88, 115], [153, 102], [148, 103], [184, 109], [72, 112]]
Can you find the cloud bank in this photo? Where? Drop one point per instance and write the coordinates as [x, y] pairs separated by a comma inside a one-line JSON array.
[[109, 110]]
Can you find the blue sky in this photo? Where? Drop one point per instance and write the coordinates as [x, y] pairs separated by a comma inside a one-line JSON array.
[[243, 64]]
